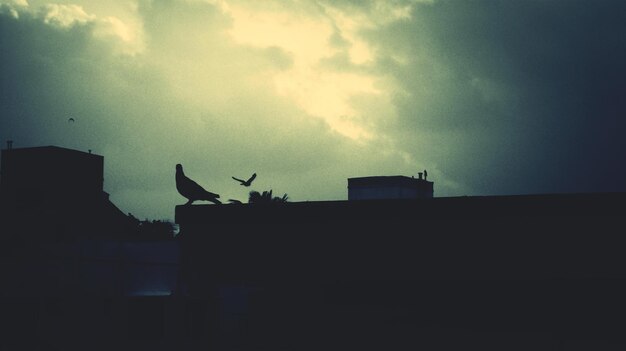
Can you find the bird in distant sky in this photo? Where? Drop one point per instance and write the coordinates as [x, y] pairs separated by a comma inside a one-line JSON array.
[[246, 182], [71, 119], [192, 190]]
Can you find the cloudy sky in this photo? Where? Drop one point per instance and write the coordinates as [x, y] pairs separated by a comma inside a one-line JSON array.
[[490, 96]]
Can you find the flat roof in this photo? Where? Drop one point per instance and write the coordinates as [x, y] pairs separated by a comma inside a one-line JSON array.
[[378, 181], [471, 207], [50, 148]]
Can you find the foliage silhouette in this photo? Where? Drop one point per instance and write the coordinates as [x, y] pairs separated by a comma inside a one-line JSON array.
[[266, 198], [155, 229], [151, 229]]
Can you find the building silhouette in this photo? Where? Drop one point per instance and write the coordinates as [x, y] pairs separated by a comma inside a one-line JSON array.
[[50, 172], [389, 187], [76, 272], [54, 193], [541, 272]]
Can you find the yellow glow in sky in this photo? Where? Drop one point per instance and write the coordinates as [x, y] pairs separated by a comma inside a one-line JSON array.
[[320, 92]]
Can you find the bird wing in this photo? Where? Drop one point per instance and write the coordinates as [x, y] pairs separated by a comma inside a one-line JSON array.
[[210, 195], [199, 193], [251, 178], [190, 189], [239, 180]]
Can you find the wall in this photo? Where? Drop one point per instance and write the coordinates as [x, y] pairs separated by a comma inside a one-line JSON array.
[[100, 268], [519, 272]]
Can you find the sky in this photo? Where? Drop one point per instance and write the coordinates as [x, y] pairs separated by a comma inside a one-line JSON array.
[[491, 97]]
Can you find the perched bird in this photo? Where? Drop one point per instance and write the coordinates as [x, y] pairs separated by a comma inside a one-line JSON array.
[[246, 182], [192, 190]]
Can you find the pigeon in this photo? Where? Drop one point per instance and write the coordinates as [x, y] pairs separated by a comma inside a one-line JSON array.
[[246, 182], [191, 190]]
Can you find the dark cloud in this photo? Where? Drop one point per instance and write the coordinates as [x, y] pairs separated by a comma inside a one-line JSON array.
[[529, 93], [24, 69]]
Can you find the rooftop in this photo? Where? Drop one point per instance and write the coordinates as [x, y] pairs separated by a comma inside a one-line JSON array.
[[408, 209]]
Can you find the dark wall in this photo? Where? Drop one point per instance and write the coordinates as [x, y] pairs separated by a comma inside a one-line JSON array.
[[540, 237], [521, 272], [44, 173], [56, 193]]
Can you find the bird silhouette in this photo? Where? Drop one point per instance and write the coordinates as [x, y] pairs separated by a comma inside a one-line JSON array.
[[246, 182], [70, 119], [192, 190]]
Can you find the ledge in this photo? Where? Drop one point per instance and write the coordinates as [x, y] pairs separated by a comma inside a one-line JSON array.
[[478, 207]]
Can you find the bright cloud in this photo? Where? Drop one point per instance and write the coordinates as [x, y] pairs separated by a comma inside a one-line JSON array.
[[310, 37], [321, 93], [65, 15]]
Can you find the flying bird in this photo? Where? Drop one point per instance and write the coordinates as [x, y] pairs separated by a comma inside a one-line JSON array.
[[246, 182], [71, 119], [192, 190]]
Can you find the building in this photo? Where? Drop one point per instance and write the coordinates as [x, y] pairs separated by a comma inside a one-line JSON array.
[[65, 237], [534, 272], [488, 273], [73, 267], [55, 193], [389, 187], [51, 173]]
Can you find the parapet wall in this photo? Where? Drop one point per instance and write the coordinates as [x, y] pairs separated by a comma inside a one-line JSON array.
[[516, 237]]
